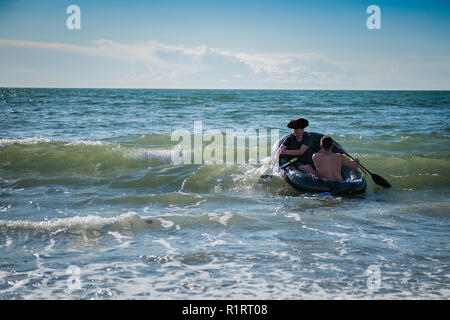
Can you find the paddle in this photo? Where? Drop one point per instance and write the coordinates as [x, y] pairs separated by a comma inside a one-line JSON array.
[[376, 178], [268, 176]]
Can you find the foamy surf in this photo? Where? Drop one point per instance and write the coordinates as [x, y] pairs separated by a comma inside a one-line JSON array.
[[24, 141], [126, 221]]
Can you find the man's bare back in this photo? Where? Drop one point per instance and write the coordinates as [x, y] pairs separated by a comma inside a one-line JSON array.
[[328, 165]]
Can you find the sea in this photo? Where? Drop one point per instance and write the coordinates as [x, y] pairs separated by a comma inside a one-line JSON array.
[[93, 205]]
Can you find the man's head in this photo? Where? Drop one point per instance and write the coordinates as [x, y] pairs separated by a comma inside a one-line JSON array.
[[298, 123], [326, 142]]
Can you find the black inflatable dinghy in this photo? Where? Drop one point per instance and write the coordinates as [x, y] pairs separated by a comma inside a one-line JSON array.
[[354, 181]]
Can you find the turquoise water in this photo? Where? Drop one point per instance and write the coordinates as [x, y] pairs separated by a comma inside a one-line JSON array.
[[88, 184]]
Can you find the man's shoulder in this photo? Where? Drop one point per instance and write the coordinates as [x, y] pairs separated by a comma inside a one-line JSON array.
[[328, 155], [290, 140], [318, 156], [339, 156], [290, 137]]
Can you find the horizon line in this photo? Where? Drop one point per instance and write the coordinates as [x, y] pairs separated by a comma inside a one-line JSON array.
[[247, 89]]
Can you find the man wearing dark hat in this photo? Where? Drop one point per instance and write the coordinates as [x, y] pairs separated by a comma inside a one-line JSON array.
[[295, 146]]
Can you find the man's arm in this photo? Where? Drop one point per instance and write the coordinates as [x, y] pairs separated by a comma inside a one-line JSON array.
[[315, 158], [352, 165], [297, 152]]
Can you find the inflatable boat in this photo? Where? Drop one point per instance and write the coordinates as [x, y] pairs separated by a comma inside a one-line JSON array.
[[354, 181]]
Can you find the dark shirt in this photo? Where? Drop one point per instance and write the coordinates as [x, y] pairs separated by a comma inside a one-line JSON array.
[[292, 143]]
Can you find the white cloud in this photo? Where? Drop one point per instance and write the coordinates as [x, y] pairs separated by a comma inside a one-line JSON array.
[[203, 66]]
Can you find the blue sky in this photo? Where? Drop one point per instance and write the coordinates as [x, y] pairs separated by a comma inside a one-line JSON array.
[[226, 44]]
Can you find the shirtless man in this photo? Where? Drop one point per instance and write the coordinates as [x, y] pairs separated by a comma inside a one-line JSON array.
[[329, 164]]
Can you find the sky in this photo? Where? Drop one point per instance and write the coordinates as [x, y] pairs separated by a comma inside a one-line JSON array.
[[230, 44]]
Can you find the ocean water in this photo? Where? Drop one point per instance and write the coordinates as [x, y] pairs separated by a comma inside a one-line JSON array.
[[93, 207]]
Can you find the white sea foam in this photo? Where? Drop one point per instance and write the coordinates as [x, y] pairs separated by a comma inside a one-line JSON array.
[[143, 154], [128, 220], [221, 218], [213, 240], [124, 241], [5, 208], [166, 223], [166, 244], [9, 241], [26, 141], [86, 143], [295, 216]]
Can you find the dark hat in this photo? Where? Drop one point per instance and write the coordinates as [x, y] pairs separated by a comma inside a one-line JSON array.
[[298, 123]]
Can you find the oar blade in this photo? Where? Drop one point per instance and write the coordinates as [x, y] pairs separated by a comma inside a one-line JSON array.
[[380, 181]]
